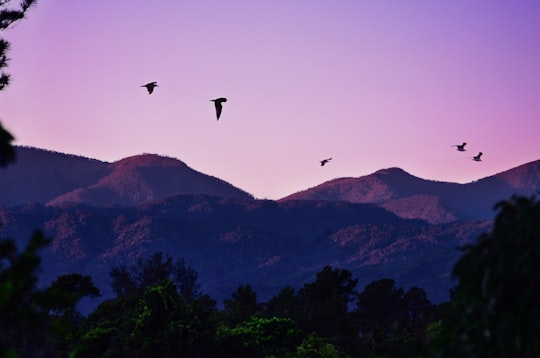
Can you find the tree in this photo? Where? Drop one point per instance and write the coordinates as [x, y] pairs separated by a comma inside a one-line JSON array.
[[8, 16], [260, 337], [73, 287], [284, 304], [325, 307], [185, 278], [315, 347], [498, 290], [157, 321], [7, 152], [379, 308], [242, 305], [153, 270], [23, 308], [68, 290], [26, 325]]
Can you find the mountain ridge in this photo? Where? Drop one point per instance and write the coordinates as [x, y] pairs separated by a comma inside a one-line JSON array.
[[399, 191], [53, 178]]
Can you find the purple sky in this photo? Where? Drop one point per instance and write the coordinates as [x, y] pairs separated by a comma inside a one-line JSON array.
[[372, 83]]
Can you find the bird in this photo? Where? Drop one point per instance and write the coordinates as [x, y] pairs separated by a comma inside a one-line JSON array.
[[324, 161], [218, 103], [460, 147], [476, 158], [150, 86]]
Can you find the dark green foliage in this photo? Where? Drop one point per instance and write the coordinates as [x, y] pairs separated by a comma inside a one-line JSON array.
[[498, 293], [260, 337], [158, 312], [316, 347], [158, 322]]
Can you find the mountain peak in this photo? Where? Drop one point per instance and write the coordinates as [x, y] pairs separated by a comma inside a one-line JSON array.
[[392, 171], [148, 160]]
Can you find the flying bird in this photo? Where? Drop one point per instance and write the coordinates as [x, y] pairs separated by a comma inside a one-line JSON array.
[[218, 103], [150, 86], [324, 161], [476, 158], [461, 147]]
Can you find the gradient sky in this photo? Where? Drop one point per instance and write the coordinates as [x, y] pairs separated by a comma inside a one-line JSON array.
[[372, 83]]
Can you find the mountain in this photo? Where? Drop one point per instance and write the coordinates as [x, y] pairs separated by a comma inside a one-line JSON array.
[[46, 177], [386, 224], [434, 201], [40, 175], [230, 241]]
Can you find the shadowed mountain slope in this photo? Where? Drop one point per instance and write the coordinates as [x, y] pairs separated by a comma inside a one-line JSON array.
[[229, 241], [39, 176]]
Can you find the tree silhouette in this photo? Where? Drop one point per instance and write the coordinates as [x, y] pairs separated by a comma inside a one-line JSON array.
[[379, 307], [153, 270], [325, 307], [26, 325], [284, 304], [242, 305], [498, 291], [8, 16]]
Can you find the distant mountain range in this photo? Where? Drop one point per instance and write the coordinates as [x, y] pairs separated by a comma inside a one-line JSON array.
[[386, 224], [436, 202]]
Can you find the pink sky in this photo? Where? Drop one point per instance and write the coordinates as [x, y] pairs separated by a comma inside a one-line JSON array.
[[372, 83]]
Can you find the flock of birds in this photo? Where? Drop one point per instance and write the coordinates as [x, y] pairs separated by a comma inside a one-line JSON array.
[[461, 148], [218, 104]]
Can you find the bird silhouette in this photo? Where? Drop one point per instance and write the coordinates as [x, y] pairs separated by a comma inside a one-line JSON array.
[[460, 147], [219, 107], [324, 161], [476, 158], [150, 86]]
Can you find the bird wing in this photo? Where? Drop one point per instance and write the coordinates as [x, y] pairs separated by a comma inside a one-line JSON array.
[[219, 107]]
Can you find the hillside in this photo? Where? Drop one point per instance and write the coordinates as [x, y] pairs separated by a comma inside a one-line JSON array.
[[39, 176], [259, 242]]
